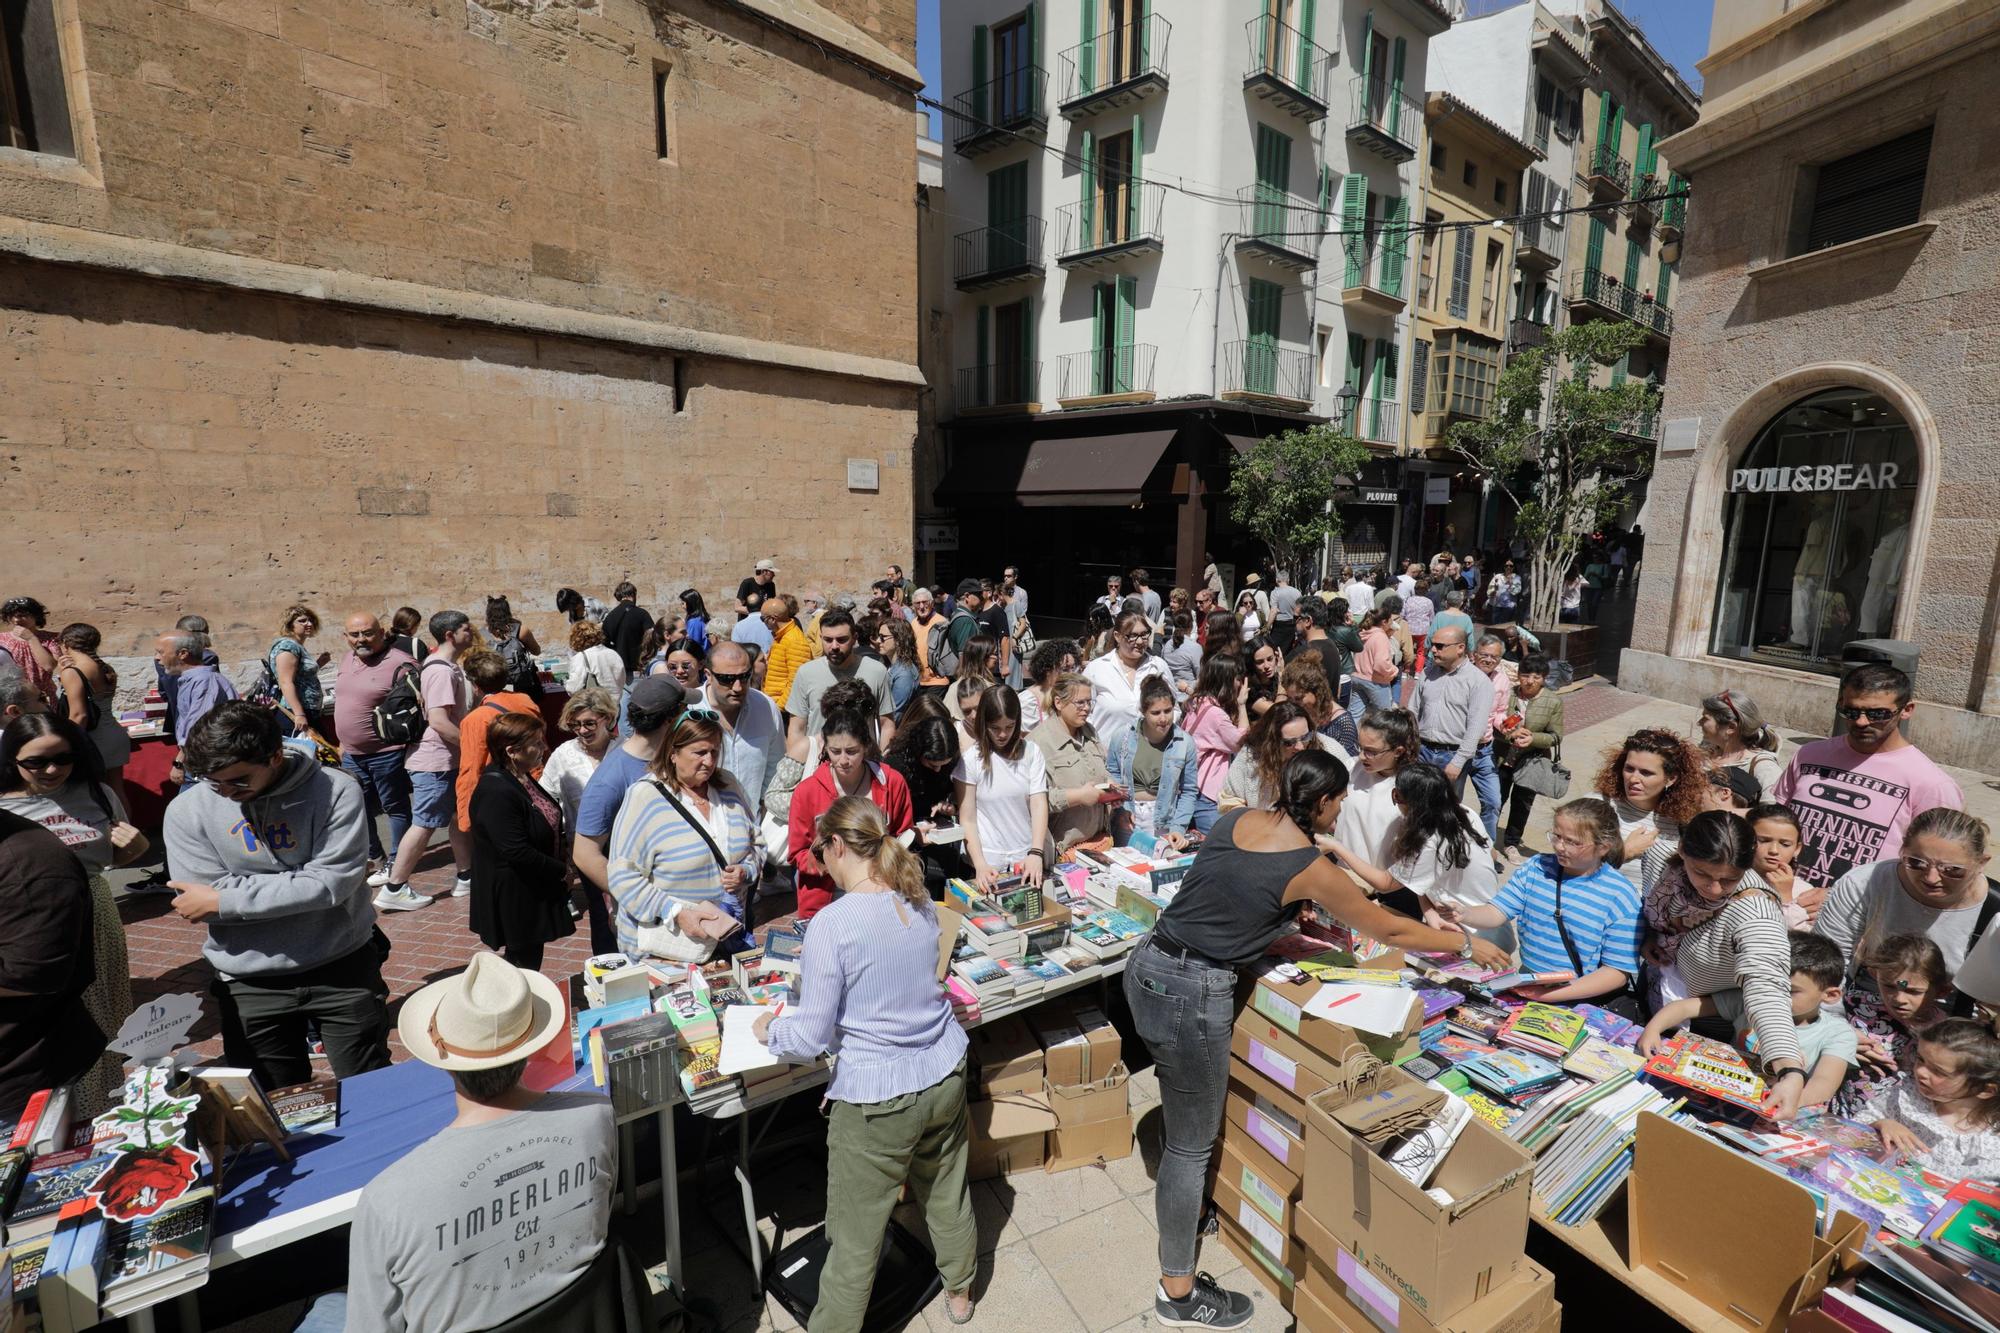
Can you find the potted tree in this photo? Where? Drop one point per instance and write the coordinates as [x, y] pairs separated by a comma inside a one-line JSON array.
[[1565, 451], [1282, 491]]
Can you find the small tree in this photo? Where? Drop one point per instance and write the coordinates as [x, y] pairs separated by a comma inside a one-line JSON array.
[[1280, 491], [1562, 449]]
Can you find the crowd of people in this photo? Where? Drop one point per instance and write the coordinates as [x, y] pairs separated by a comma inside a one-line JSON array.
[[852, 753]]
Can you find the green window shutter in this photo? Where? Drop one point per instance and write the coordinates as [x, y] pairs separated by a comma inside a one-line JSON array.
[[1086, 212], [1664, 289], [1420, 367], [1621, 372], [1305, 74], [1086, 48], [1029, 390], [1396, 247], [979, 72], [1631, 267], [1367, 57], [1274, 173], [981, 359], [1133, 215], [1145, 35], [1260, 367], [1459, 303], [1396, 86], [1642, 165], [1325, 194], [1028, 27], [1593, 251], [1618, 131], [1353, 226], [1127, 296], [1604, 121], [1100, 318], [1357, 352]]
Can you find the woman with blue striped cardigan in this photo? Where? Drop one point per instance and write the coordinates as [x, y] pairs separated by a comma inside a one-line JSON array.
[[685, 852]]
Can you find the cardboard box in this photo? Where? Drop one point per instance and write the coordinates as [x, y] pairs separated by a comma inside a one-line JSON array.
[[1107, 1098], [1008, 1056], [1009, 1115], [1281, 1003], [988, 1159], [1438, 1258], [1758, 1261], [1279, 1131], [1079, 1046], [1327, 1069], [950, 921], [1273, 1276], [1354, 1297], [1278, 1065], [1313, 1316], [1273, 1238], [1249, 1171], [1283, 1104], [1071, 1146]]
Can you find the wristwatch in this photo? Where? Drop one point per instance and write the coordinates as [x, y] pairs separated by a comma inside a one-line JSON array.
[[1466, 952]]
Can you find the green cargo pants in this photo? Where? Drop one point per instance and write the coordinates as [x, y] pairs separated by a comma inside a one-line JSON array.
[[871, 1150]]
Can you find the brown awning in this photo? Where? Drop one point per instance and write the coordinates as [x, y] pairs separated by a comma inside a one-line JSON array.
[[1051, 471]]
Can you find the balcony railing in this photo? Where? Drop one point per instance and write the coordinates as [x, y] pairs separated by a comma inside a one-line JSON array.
[[1645, 210], [1383, 120], [1639, 426], [1001, 109], [1255, 368], [1125, 218], [1608, 171], [1673, 212], [1373, 274], [1378, 420], [1118, 66], [1608, 293], [1526, 334], [1538, 242], [1288, 68], [1281, 226], [1000, 384], [1103, 372], [989, 256]]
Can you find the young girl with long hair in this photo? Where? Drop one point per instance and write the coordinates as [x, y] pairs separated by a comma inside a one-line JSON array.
[[1216, 719], [1945, 1113], [1435, 849]]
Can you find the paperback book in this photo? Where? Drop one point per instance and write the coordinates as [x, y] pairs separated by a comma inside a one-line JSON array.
[[1511, 1074], [149, 1253], [1709, 1069], [1902, 1198], [1544, 1029], [1599, 1061], [308, 1108]]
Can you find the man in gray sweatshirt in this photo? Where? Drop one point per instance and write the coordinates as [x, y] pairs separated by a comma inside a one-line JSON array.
[[270, 851]]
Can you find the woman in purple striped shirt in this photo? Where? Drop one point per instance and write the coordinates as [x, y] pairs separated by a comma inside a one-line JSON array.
[[869, 977]]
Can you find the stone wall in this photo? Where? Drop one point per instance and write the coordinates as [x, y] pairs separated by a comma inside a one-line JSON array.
[[169, 449], [1920, 311]]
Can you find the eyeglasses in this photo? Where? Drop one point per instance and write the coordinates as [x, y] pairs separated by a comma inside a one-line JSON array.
[[1951, 874], [1573, 844], [584, 724], [818, 849], [1136, 636], [1375, 752], [223, 784], [1872, 714], [728, 678], [47, 762], [1298, 742]]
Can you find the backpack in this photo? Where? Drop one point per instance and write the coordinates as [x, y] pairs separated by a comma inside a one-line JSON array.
[[938, 650], [401, 719], [265, 693], [523, 676]]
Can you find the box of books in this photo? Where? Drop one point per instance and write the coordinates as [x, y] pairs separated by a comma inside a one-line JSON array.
[[1071, 1146], [1442, 1245], [1286, 1064], [1354, 1298], [1080, 1043], [1251, 1172], [1008, 1057], [1254, 1250], [1278, 1131], [1107, 1098], [989, 1158], [1283, 1003]]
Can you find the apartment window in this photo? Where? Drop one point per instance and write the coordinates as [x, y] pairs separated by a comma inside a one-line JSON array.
[[1875, 190], [1489, 290], [1465, 369], [1427, 259], [1437, 157], [1500, 191], [34, 103], [1460, 300], [1420, 368], [1471, 172], [1013, 71], [663, 142]]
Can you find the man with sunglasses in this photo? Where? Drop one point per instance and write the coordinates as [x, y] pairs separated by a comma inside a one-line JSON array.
[[1855, 794], [753, 730], [270, 852]]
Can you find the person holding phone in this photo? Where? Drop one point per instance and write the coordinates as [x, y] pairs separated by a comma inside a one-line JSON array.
[[1081, 791], [1002, 784]]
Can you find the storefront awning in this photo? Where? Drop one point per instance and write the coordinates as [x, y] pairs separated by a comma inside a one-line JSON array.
[[1072, 470]]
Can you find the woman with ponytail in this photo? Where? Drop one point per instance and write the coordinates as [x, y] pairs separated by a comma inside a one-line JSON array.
[[869, 978], [1248, 881]]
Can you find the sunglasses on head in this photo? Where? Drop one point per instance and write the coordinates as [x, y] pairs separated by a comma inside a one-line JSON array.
[[47, 762]]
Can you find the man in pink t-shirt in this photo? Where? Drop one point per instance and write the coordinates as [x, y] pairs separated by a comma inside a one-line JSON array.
[[367, 674], [1855, 794], [432, 764]]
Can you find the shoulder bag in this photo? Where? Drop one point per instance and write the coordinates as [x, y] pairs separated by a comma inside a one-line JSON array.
[[662, 938], [1541, 772], [1624, 1003]]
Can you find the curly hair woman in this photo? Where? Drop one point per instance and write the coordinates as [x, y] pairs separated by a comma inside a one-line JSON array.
[[1654, 783]]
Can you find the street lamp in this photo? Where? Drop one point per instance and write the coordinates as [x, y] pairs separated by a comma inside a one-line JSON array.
[[1350, 406]]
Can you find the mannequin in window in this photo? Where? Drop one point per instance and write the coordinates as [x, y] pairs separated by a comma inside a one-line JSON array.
[[1809, 571], [1885, 580]]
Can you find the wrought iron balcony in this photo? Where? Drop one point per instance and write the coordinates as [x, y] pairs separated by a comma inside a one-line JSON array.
[[1257, 369], [1126, 218], [1373, 275], [1608, 175], [1538, 243], [1123, 373], [992, 256], [1673, 213], [1603, 294], [1287, 68], [1645, 211], [1385, 122], [1000, 384], [1378, 421], [1279, 226], [1526, 334], [1116, 68], [1639, 426], [1001, 110]]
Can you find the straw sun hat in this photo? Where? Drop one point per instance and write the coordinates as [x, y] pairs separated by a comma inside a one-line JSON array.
[[489, 1015]]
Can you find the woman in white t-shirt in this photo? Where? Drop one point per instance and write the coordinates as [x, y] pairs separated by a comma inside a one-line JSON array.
[[1368, 817], [591, 664], [1655, 782], [1002, 783], [1432, 848]]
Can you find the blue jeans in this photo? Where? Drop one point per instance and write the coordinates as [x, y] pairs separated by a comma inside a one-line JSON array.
[[328, 1314], [1183, 1010], [1364, 694], [1485, 780], [1205, 815], [387, 788]]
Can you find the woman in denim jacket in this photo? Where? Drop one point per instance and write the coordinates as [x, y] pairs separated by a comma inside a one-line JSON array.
[[1160, 794]]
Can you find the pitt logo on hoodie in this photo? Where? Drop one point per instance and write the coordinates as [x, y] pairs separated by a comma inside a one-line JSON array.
[[276, 837]]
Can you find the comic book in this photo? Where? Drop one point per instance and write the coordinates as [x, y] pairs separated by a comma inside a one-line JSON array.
[[1710, 1069]]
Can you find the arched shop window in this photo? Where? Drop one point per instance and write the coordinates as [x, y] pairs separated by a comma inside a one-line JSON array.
[[1817, 527]]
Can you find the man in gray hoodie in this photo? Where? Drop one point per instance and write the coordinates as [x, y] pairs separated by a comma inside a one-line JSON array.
[[270, 851]]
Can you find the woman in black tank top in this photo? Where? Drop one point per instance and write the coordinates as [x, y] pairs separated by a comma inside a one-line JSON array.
[[1242, 892]]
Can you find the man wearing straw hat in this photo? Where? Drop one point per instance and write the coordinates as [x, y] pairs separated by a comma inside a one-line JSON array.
[[508, 1204]]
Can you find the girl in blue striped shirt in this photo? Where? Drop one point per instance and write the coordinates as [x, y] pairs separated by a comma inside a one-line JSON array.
[[1572, 909]]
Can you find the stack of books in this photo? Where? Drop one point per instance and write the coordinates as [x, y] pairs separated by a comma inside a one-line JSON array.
[[1543, 1029], [986, 978], [1106, 934], [995, 934], [1479, 1022], [1539, 1125], [1599, 1061], [1511, 1075], [1590, 1159]]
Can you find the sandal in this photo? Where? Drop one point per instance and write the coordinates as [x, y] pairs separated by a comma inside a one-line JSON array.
[[952, 1314]]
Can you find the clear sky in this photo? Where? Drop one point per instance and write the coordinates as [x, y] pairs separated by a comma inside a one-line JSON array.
[[1678, 29]]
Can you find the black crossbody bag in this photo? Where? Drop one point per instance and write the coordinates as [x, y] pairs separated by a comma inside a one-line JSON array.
[[1623, 1003]]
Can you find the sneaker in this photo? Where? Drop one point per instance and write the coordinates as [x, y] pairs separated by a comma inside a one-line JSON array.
[[1207, 1306], [378, 878], [399, 898], [460, 884], [153, 883]]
